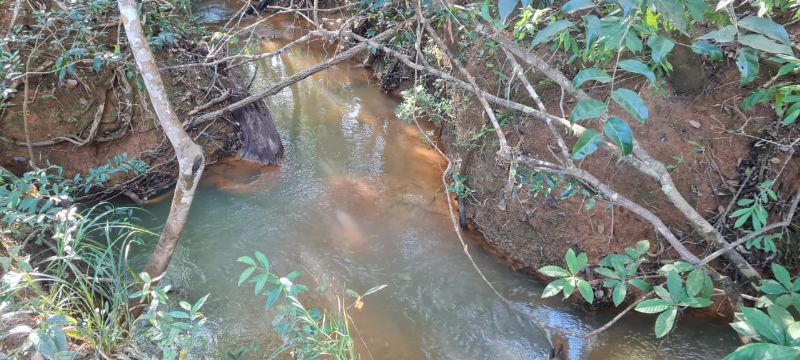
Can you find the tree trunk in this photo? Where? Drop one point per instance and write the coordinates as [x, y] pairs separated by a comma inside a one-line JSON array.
[[260, 139], [190, 156]]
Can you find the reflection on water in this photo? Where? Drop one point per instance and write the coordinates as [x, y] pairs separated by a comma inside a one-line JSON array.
[[358, 201]]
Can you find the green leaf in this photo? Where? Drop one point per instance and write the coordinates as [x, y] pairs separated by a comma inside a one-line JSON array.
[[697, 8], [550, 31], [764, 351], [782, 275], [675, 286], [724, 34], [262, 260], [572, 261], [637, 67], [642, 246], [587, 109], [247, 260], [665, 322], [761, 42], [765, 26], [607, 273], [703, 47], [553, 288], [696, 302], [272, 296], [620, 134], [659, 46], [618, 296], [764, 325], [587, 144], [506, 7], [554, 271], [771, 287], [591, 74], [652, 306], [586, 290], [780, 315], [583, 261], [179, 315], [747, 63], [628, 5], [576, 5], [694, 282], [641, 285], [246, 274], [199, 304], [632, 103], [673, 11]]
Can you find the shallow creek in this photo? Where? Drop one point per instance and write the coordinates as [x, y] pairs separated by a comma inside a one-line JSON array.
[[358, 202]]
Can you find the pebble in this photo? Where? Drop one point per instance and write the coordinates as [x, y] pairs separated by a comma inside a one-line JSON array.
[[694, 124], [70, 83], [775, 160]]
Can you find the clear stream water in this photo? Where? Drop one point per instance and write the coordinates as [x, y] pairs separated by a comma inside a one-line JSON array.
[[358, 202]]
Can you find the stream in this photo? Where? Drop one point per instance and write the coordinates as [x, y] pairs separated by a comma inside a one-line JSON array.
[[358, 202]]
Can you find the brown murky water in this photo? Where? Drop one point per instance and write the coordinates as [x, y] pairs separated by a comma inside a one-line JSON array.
[[358, 201]]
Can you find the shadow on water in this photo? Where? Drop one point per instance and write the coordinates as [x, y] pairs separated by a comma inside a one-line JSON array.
[[358, 201]]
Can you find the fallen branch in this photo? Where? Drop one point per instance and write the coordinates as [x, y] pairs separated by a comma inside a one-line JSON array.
[[616, 318]]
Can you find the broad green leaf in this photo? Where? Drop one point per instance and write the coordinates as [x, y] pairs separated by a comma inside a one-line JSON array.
[[572, 261], [675, 286], [763, 351], [247, 260], [665, 322], [642, 246], [632, 103], [703, 47], [506, 7], [782, 275], [628, 5], [771, 287], [618, 296], [637, 67], [672, 11], [553, 288], [550, 31], [607, 273], [659, 46], [272, 296], [591, 74], [593, 27], [583, 261], [199, 304], [576, 5], [747, 63], [641, 285], [694, 282], [761, 42], [697, 8], [554, 271], [586, 290], [262, 260], [764, 325], [246, 274], [696, 302], [780, 315], [587, 144], [587, 109], [724, 34], [620, 134], [633, 42], [793, 333], [765, 26], [652, 306]]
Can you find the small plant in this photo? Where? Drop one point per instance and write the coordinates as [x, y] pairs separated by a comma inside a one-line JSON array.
[[753, 211], [459, 187], [307, 333], [418, 102], [568, 279]]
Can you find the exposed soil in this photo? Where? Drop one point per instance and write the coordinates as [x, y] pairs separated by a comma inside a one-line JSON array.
[[693, 133]]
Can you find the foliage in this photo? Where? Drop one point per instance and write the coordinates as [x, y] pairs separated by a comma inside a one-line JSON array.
[[459, 186], [754, 210], [307, 333], [35, 198], [637, 37], [776, 332], [686, 286], [418, 102]]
